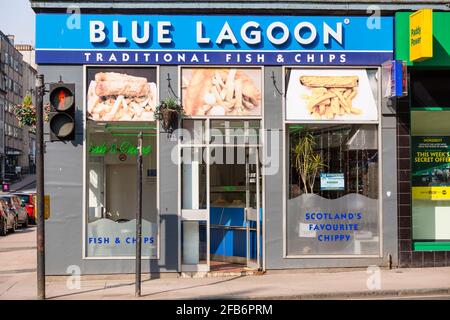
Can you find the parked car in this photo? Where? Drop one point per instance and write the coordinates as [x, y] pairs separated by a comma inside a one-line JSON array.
[[8, 219], [16, 205], [27, 199]]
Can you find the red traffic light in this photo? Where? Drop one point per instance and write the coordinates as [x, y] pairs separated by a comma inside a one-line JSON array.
[[61, 98], [62, 111]]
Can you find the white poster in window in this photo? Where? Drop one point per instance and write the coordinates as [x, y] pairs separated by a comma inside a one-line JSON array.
[[332, 181], [330, 95]]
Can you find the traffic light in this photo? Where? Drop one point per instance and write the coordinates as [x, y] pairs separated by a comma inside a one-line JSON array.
[[62, 111]]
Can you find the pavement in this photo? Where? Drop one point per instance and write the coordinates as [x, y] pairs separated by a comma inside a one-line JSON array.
[[26, 182], [18, 281]]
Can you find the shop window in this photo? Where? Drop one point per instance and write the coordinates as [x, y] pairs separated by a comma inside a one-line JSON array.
[[429, 88], [333, 183], [194, 131], [235, 132], [111, 175], [228, 177], [430, 178]]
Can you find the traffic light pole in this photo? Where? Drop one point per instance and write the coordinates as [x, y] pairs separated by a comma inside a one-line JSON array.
[[139, 218], [40, 91]]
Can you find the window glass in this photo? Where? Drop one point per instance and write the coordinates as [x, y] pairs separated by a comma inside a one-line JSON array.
[[112, 191], [235, 131], [193, 176], [194, 242], [194, 131], [332, 205], [430, 175], [429, 88], [2, 107], [228, 177]]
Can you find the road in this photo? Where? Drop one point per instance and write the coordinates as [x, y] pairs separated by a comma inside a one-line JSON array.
[[29, 188]]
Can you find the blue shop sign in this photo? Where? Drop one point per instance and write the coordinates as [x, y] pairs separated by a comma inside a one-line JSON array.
[[214, 39]]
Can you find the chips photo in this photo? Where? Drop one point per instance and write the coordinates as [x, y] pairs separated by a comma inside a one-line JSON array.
[[331, 96]]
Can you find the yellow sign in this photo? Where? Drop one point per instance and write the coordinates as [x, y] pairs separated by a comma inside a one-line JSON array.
[[431, 193], [46, 207], [421, 35]]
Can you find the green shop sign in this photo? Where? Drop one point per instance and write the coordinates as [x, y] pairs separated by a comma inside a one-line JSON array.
[[125, 147], [440, 39]]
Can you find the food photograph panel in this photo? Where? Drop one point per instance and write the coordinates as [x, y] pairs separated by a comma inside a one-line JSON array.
[[121, 94], [331, 95], [222, 91]]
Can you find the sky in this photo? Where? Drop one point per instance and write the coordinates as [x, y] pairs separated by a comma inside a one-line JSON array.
[[17, 18]]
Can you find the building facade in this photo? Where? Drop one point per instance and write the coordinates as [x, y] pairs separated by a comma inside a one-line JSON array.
[[27, 160], [423, 154], [12, 95], [28, 54], [285, 158]]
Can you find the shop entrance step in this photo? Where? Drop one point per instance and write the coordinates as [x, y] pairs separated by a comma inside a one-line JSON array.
[[224, 273]]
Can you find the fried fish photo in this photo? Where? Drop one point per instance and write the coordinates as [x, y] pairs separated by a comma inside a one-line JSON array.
[[114, 96], [221, 92]]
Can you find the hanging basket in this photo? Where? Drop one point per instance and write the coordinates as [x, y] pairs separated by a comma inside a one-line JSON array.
[[168, 112], [169, 120]]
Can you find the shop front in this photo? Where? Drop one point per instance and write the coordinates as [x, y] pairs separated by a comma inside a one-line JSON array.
[[423, 135], [283, 158]]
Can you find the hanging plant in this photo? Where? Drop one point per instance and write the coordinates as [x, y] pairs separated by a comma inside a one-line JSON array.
[[26, 113], [169, 111]]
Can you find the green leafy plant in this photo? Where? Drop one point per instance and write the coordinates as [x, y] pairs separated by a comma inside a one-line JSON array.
[[26, 112], [307, 162], [168, 112]]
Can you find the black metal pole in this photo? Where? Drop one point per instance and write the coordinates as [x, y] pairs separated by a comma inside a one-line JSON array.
[[40, 91], [139, 218]]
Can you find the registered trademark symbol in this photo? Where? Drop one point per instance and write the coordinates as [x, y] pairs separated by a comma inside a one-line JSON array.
[[346, 21]]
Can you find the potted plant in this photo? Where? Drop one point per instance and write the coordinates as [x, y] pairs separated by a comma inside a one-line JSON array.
[[307, 162], [169, 112]]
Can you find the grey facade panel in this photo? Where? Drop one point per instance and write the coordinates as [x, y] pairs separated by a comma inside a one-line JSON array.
[[389, 187], [273, 119], [168, 182]]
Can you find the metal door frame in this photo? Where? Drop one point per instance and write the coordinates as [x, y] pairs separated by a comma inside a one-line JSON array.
[[253, 215]]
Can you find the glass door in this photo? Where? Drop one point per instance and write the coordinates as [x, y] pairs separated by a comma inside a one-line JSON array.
[[253, 208], [221, 195]]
